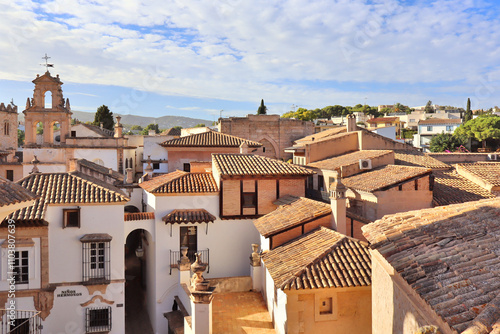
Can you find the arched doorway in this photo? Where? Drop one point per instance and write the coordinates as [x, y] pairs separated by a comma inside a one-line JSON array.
[[137, 252]]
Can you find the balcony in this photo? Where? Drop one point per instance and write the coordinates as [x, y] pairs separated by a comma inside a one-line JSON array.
[[20, 322], [175, 257]]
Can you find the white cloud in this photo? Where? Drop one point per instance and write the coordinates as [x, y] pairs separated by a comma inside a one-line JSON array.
[[245, 50]]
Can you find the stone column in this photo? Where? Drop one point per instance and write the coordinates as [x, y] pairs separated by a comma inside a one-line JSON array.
[[255, 269], [201, 299], [184, 267]]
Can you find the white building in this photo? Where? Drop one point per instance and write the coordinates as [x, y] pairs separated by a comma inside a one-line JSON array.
[[68, 257], [430, 127]]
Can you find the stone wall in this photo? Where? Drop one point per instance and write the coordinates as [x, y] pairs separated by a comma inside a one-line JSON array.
[[273, 132]]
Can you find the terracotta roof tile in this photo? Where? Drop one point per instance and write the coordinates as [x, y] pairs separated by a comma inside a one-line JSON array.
[[383, 120], [209, 139], [450, 256], [130, 216], [349, 159], [417, 159], [489, 172], [323, 135], [12, 193], [440, 121], [382, 177], [181, 182], [97, 129], [188, 216], [322, 258], [292, 212], [172, 132], [248, 164], [452, 188], [65, 188]]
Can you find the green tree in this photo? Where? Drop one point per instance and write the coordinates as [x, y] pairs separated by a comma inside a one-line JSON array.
[[481, 128], [136, 127], [177, 127], [152, 126], [20, 137], [468, 112], [303, 114], [262, 109], [201, 125], [39, 128], [428, 107], [445, 141], [104, 116]]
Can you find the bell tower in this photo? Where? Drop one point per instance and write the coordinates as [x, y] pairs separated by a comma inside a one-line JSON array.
[[48, 108]]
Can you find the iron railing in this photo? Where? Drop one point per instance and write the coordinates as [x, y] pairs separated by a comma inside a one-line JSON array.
[[95, 263], [20, 322], [175, 257]]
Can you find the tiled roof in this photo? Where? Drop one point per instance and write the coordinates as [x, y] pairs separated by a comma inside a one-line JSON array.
[[440, 121], [489, 172], [417, 159], [450, 256], [100, 169], [383, 177], [209, 139], [322, 258], [292, 211], [97, 129], [12, 193], [188, 216], [181, 182], [383, 120], [65, 188], [172, 132], [130, 216], [451, 188], [326, 134], [348, 159], [248, 164]]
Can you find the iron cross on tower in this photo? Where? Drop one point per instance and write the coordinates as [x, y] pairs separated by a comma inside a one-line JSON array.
[[47, 65]]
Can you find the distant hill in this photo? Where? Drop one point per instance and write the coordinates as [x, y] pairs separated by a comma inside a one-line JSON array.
[[164, 122]]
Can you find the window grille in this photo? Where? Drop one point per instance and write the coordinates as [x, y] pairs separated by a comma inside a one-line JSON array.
[[98, 320]]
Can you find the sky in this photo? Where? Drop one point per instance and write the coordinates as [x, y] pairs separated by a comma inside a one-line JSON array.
[[204, 59]]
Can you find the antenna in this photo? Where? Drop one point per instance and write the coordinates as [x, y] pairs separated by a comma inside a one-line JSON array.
[[47, 65]]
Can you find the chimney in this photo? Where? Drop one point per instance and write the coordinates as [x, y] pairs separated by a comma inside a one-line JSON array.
[[129, 176], [338, 201], [151, 132], [351, 123], [149, 167], [72, 165], [244, 149], [118, 128], [35, 162]]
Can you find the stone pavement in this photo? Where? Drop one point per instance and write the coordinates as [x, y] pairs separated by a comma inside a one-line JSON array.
[[240, 312], [136, 315]]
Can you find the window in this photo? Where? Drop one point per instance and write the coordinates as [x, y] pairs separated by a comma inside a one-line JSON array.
[[10, 175], [156, 165], [263, 149], [429, 128], [189, 239], [98, 320], [73, 134], [325, 306], [6, 128], [249, 200], [21, 264], [71, 218], [187, 167], [412, 120], [449, 128], [96, 254], [321, 183]]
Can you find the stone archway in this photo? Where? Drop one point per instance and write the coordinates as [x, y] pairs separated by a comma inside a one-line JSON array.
[[270, 148]]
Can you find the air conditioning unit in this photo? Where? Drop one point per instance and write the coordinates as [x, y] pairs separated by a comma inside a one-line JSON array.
[[365, 164], [493, 156]]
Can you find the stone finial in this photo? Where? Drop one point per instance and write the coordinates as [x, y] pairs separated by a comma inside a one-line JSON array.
[[129, 172], [255, 257], [198, 282], [184, 263], [35, 162], [337, 188], [68, 107], [28, 103], [149, 167]]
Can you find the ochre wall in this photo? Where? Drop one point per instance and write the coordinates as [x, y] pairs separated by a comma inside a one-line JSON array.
[[351, 311], [396, 308], [331, 148]]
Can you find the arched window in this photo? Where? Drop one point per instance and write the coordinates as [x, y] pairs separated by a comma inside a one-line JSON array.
[[48, 99]]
